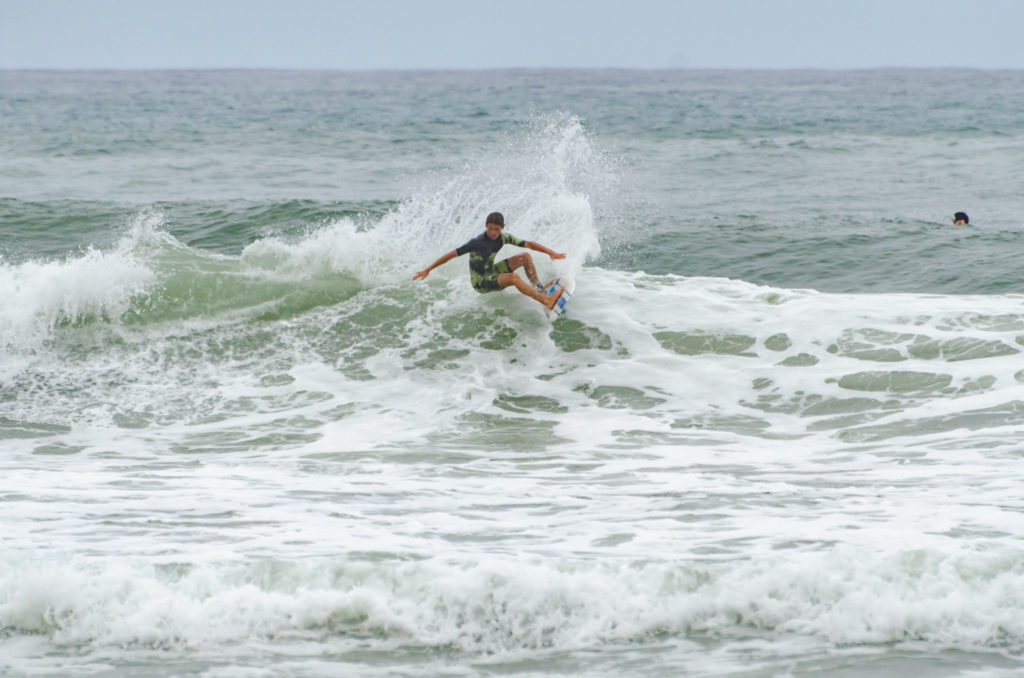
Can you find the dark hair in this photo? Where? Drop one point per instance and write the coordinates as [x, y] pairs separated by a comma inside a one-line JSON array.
[[495, 218], [961, 215]]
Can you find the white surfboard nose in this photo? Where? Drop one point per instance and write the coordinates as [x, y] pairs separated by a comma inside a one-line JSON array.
[[564, 286]]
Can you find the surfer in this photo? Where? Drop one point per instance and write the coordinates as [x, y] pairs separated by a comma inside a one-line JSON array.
[[961, 219], [488, 276]]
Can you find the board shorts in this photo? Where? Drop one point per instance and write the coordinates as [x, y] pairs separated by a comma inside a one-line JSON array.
[[483, 272], [488, 282]]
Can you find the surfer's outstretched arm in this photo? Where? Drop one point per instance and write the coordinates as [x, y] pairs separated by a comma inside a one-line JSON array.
[[444, 258], [536, 246]]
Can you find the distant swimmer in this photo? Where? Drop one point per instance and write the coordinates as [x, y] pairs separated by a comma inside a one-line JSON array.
[[961, 219], [488, 276]]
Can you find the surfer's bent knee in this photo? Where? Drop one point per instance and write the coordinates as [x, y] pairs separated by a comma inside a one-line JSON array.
[[519, 260]]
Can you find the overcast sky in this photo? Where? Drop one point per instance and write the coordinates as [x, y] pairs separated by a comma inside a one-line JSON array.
[[457, 34]]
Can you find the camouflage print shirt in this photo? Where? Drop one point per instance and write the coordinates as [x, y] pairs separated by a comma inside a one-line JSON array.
[[482, 250]]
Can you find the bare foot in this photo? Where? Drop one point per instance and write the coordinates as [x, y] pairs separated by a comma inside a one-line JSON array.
[[549, 301]]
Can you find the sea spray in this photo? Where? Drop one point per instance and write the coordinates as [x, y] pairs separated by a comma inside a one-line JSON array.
[[544, 182], [778, 436]]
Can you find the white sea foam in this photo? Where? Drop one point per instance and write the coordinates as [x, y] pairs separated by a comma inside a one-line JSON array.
[[509, 605], [38, 295], [543, 183], [395, 466]]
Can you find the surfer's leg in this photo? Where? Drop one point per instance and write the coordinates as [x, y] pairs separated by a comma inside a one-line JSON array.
[[526, 262], [511, 279]]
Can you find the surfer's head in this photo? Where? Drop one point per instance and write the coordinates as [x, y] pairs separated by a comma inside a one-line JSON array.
[[495, 224], [961, 218]]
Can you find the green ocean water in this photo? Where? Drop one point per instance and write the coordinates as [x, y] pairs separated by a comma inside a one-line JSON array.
[[833, 181], [778, 432]]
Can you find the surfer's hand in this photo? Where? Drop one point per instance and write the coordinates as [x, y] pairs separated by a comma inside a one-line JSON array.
[[422, 274], [557, 255]]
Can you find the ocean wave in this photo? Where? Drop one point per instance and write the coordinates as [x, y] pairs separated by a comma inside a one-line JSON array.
[[966, 600], [662, 354]]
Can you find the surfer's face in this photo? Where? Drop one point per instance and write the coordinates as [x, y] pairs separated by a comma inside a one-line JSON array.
[[494, 231]]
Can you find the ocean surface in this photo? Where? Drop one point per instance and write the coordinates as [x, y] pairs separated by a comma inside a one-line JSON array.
[[779, 433]]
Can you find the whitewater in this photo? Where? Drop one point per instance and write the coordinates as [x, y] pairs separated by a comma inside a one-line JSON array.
[[236, 438]]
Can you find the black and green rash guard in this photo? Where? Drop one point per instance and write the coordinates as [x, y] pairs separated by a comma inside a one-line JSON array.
[[482, 269]]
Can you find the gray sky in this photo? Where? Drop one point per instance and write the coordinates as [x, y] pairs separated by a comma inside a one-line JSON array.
[[455, 34]]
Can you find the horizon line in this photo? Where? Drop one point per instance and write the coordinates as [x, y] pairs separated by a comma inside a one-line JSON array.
[[327, 69]]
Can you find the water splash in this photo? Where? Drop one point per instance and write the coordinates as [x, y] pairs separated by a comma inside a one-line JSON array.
[[545, 180]]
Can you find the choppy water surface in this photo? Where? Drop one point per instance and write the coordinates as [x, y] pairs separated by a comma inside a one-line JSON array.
[[777, 434]]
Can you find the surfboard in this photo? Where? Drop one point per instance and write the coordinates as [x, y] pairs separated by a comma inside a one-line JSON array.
[[567, 286]]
